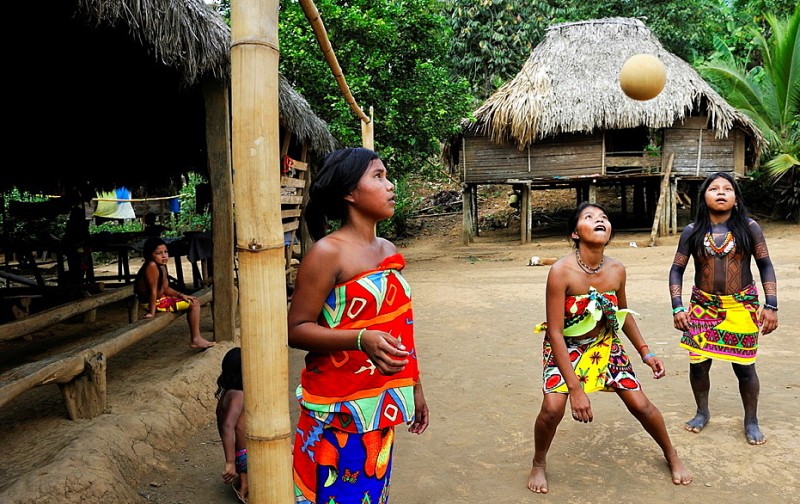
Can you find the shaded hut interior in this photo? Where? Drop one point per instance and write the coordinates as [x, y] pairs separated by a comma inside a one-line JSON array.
[[120, 94]]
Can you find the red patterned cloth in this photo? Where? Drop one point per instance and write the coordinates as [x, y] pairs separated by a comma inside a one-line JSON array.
[[344, 394]]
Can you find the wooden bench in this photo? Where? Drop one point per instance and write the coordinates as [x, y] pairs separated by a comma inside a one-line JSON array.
[[35, 322], [81, 372]]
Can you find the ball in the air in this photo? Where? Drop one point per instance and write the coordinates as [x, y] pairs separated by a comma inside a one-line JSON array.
[[642, 77]]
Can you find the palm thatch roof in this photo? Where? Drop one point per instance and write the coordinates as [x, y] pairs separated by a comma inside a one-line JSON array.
[[109, 93], [570, 84]]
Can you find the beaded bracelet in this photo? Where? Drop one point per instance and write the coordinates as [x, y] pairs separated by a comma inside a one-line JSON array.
[[358, 339], [648, 357], [679, 309], [770, 307]]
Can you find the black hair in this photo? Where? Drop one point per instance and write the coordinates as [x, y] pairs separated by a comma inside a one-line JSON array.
[[738, 222], [573, 220], [231, 376], [150, 246], [339, 175]]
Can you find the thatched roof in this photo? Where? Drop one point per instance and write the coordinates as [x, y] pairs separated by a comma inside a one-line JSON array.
[[185, 35], [570, 84], [109, 93], [297, 116]]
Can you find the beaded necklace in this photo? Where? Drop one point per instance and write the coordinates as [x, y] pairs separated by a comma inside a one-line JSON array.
[[586, 268], [722, 250]]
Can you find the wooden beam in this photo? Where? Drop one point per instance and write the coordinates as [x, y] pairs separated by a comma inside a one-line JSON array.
[[63, 367], [58, 314]]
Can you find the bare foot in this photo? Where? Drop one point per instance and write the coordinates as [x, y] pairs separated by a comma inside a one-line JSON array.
[[537, 481], [200, 343], [680, 474], [697, 423], [754, 434]]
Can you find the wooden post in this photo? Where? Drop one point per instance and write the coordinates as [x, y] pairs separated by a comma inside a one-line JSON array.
[[368, 131], [661, 197], [467, 212], [592, 193], [528, 211], [259, 241], [673, 225], [218, 140], [85, 396]]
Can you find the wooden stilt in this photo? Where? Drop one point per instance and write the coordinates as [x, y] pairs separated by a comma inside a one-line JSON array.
[[467, 212], [85, 396]]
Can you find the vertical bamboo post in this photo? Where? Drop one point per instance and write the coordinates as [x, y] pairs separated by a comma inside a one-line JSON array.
[[259, 240], [368, 131]]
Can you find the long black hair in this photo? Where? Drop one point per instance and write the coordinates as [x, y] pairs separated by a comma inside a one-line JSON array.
[[573, 220], [337, 178], [738, 222], [231, 376]]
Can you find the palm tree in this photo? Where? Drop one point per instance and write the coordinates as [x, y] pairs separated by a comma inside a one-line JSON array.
[[770, 95]]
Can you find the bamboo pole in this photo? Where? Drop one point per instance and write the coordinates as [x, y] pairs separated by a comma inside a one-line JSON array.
[[314, 18], [368, 131], [259, 240]]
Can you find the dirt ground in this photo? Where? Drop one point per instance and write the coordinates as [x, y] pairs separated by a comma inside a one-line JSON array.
[[475, 309]]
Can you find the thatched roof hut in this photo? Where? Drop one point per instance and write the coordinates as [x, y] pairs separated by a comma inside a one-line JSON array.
[[564, 122], [110, 92], [570, 84]]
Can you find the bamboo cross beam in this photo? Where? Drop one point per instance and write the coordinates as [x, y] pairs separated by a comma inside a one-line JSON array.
[[315, 19]]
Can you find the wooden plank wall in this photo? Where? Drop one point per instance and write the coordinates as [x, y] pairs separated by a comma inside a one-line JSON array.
[[715, 154], [575, 155]]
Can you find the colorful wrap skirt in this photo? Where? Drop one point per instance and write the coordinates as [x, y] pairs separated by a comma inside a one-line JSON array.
[[169, 304], [600, 363], [332, 466], [723, 327]]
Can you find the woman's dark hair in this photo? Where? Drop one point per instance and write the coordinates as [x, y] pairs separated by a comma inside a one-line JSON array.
[[573, 220], [231, 376], [738, 222], [150, 246], [337, 178]]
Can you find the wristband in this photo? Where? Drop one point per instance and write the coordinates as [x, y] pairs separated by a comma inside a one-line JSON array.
[[679, 309], [358, 339], [648, 357], [768, 306]]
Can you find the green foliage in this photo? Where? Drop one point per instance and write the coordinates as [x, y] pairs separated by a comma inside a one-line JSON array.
[[397, 225], [491, 39], [116, 226], [768, 92], [189, 219], [394, 56]]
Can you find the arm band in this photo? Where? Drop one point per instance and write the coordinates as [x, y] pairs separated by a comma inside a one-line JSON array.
[[358, 339]]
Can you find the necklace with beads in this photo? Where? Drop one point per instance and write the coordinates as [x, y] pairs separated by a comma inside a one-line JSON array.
[[584, 267], [722, 250]]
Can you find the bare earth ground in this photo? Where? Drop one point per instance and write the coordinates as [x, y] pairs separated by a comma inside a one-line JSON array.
[[475, 309]]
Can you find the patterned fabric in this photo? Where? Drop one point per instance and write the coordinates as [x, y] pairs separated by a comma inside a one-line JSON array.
[[599, 362], [723, 327], [169, 304], [241, 460], [343, 391], [336, 467]]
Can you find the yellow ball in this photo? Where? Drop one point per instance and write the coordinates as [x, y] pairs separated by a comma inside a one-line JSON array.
[[642, 77]]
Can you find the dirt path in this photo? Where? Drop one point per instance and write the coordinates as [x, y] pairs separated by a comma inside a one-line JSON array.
[[475, 308]]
